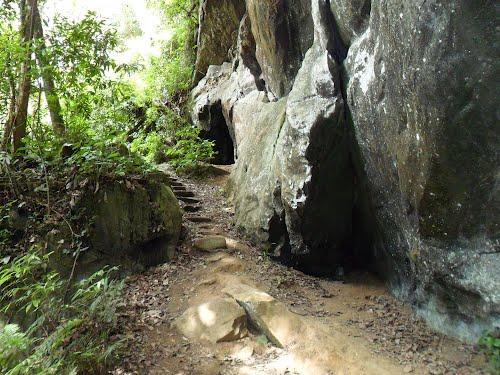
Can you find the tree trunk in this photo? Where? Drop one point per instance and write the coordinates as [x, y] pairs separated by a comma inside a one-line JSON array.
[[7, 134], [24, 90], [47, 77]]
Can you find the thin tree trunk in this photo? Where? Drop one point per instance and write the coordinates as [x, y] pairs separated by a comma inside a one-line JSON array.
[[49, 86], [7, 135], [24, 90]]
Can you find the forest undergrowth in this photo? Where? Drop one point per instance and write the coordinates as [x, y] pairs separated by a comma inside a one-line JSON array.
[[73, 121]]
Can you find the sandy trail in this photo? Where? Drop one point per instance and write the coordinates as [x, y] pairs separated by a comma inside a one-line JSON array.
[[350, 327]]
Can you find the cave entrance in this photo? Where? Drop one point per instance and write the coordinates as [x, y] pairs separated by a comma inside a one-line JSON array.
[[219, 134]]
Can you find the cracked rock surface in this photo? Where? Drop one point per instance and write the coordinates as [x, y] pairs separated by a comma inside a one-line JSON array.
[[365, 135]]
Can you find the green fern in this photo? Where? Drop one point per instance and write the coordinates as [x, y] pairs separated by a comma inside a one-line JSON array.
[[63, 337], [490, 343]]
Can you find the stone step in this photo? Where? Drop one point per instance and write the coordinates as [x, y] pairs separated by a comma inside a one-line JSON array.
[[206, 227], [210, 243], [184, 194], [198, 219], [175, 184], [206, 230], [191, 208], [188, 200], [178, 188]]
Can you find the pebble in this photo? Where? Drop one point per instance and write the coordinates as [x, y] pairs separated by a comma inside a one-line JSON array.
[[408, 369]]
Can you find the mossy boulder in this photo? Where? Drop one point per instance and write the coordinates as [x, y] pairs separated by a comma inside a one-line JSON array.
[[132, 224]]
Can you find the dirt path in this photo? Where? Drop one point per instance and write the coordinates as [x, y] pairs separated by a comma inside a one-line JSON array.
[[351, 327]]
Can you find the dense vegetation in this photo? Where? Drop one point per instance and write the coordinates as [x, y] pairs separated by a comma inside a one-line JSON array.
[[71, 117]]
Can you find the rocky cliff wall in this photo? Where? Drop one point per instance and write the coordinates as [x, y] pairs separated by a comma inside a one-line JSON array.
[[366, 132]]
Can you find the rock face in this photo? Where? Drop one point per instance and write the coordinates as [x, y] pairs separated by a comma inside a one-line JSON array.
[[134, 225], [283, 33], [143, 223], [351, 18], [217, 35], [426, 127], [365, 133]]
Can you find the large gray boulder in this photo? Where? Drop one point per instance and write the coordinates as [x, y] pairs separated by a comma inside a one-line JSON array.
[[292, 182], [132, 224], [316, 183], [255, 186], [421, 93], [382, 149]]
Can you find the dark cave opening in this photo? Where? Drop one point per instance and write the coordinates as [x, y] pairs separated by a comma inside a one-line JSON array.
[[220, 135], [363, 251]]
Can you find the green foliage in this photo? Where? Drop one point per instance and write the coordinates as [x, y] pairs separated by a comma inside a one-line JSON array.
[[95, 156], [190, 150], [130, 27], [108, 157], [97, 102], [79, 55], [173, 140], [25, 284], [70, 327], [170, 72], [173, 70], [14, 345], [178, 11], [490, 343], [54, 326], [168, 80], [5, 232], [11, 54]]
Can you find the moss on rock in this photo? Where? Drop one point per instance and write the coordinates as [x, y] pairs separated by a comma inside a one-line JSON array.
[[132, 225]]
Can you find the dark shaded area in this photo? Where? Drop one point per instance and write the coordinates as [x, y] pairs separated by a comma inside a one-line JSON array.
[[219, 134], [362, 252], [362, 248], [154, 252]]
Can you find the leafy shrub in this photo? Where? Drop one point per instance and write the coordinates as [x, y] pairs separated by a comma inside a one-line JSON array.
[[174, 140], [108, 157], [80, 56], [172, 71], [190, 150], [490, 343], [69, 328], [14, 345]]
